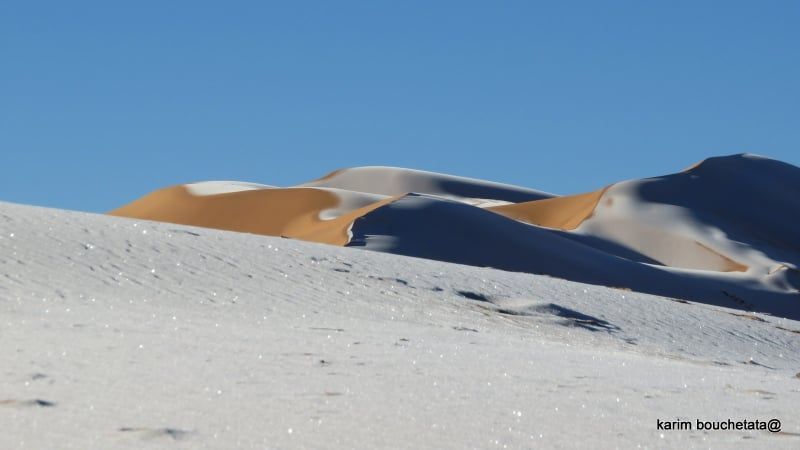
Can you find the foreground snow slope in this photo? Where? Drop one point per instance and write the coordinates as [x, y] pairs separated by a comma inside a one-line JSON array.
[[119, 333]]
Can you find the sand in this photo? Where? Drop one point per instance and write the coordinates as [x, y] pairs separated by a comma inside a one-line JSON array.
[[564, 213], [288, 212]]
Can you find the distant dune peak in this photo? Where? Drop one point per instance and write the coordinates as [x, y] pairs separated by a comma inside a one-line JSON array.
[[385, 180], [714, 232]]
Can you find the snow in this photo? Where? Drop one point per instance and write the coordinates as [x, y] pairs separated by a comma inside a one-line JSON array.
[[120, 333], [742, 206], [393, 181], [204, 188], [348, 201], [431, 227]]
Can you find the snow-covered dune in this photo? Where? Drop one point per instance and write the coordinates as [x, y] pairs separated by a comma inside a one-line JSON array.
[[393, 181], [120, 333], [743, 208], [436, 228], [722, 232], [735, 213]]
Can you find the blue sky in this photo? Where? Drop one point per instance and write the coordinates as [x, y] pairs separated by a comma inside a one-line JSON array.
[[101, 102]]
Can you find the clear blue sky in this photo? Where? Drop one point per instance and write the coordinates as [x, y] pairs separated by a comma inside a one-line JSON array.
[[101, 102]]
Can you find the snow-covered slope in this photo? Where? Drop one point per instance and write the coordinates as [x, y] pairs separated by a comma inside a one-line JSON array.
[[119, 333], [434, 228], [731, 214]]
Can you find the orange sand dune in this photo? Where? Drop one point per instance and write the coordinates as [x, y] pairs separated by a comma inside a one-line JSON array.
[[291, 212], [565, 213]]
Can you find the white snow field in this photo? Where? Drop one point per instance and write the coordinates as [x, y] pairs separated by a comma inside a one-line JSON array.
[[118, 333]]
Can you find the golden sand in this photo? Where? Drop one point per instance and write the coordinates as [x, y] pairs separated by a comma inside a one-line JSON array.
[[565, 213], [292, 212]]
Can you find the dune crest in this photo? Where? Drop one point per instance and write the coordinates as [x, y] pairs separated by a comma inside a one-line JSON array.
[[564, 213], [392, 181]]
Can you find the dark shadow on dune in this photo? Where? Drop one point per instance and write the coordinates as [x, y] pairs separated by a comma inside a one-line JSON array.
[[499, 192], [793, 278]]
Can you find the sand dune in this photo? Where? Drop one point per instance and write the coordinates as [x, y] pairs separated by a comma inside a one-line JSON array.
[[393, 181], [660, 245], [734, 213], [435, 228], [723, 231], [319, 215]]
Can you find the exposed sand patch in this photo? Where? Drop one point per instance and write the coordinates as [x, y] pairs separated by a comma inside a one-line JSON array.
[[725, 264], [565, 213], [288, 212]]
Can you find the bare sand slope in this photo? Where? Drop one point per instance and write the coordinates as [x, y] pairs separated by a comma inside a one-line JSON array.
[[565, 213], [292, 212], [393, 181]]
